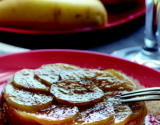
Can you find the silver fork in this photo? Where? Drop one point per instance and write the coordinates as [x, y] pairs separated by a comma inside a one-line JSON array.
[[147, 94]]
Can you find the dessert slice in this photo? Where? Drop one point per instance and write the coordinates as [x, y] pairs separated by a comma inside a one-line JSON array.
[[63, 94]]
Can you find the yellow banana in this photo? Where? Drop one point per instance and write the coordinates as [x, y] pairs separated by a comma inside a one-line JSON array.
[[52, 14]]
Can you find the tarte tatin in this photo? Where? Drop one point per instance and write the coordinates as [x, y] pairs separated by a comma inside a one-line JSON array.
[[64, 94]]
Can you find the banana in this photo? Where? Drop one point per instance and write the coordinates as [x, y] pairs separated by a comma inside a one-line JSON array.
[[52, 14]]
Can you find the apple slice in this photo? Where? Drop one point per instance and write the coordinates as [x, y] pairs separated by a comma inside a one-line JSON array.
[[113, 84], [122, 114], [98, 114], [49, 73], [59, 65], [25, 100], [54, 114], [112, 95], [83, 74], [118, 74], [139, 112], [15, 118], [76, 92], [25, 79]]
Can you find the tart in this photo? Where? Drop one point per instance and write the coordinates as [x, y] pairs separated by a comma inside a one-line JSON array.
[[64, 94]]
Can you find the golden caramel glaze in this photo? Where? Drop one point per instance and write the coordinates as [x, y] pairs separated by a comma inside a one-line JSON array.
[[76, 96], [73, 92]]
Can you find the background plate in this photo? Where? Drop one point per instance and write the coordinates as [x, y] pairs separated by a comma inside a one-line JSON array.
[[117, 15]]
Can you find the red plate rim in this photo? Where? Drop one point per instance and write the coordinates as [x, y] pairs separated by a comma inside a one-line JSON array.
[[88, 59]]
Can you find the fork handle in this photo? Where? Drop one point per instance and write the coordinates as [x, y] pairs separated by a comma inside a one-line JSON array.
[[140, 94], [138, 99]]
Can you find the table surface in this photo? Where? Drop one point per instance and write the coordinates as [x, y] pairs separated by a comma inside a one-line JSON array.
[[107, 40], [133, 39]]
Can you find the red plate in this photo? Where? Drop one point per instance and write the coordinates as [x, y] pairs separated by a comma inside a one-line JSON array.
[[10, 63], [114, 19]]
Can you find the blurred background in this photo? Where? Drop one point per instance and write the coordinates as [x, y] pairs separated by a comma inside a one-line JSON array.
[[125, 29]]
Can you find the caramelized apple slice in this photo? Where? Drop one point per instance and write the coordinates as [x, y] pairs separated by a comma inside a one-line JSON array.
[[55, 114], [122, 114], [46, 77], [16, 118], [25, 100], [112, 95], [59, 66], [113, 84], [25, 79], [98, 114], [139, 112], [49, 74], [86, 74], [75, 92], [122, 76]]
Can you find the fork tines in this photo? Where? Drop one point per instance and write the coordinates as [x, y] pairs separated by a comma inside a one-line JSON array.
[[141, 95]]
